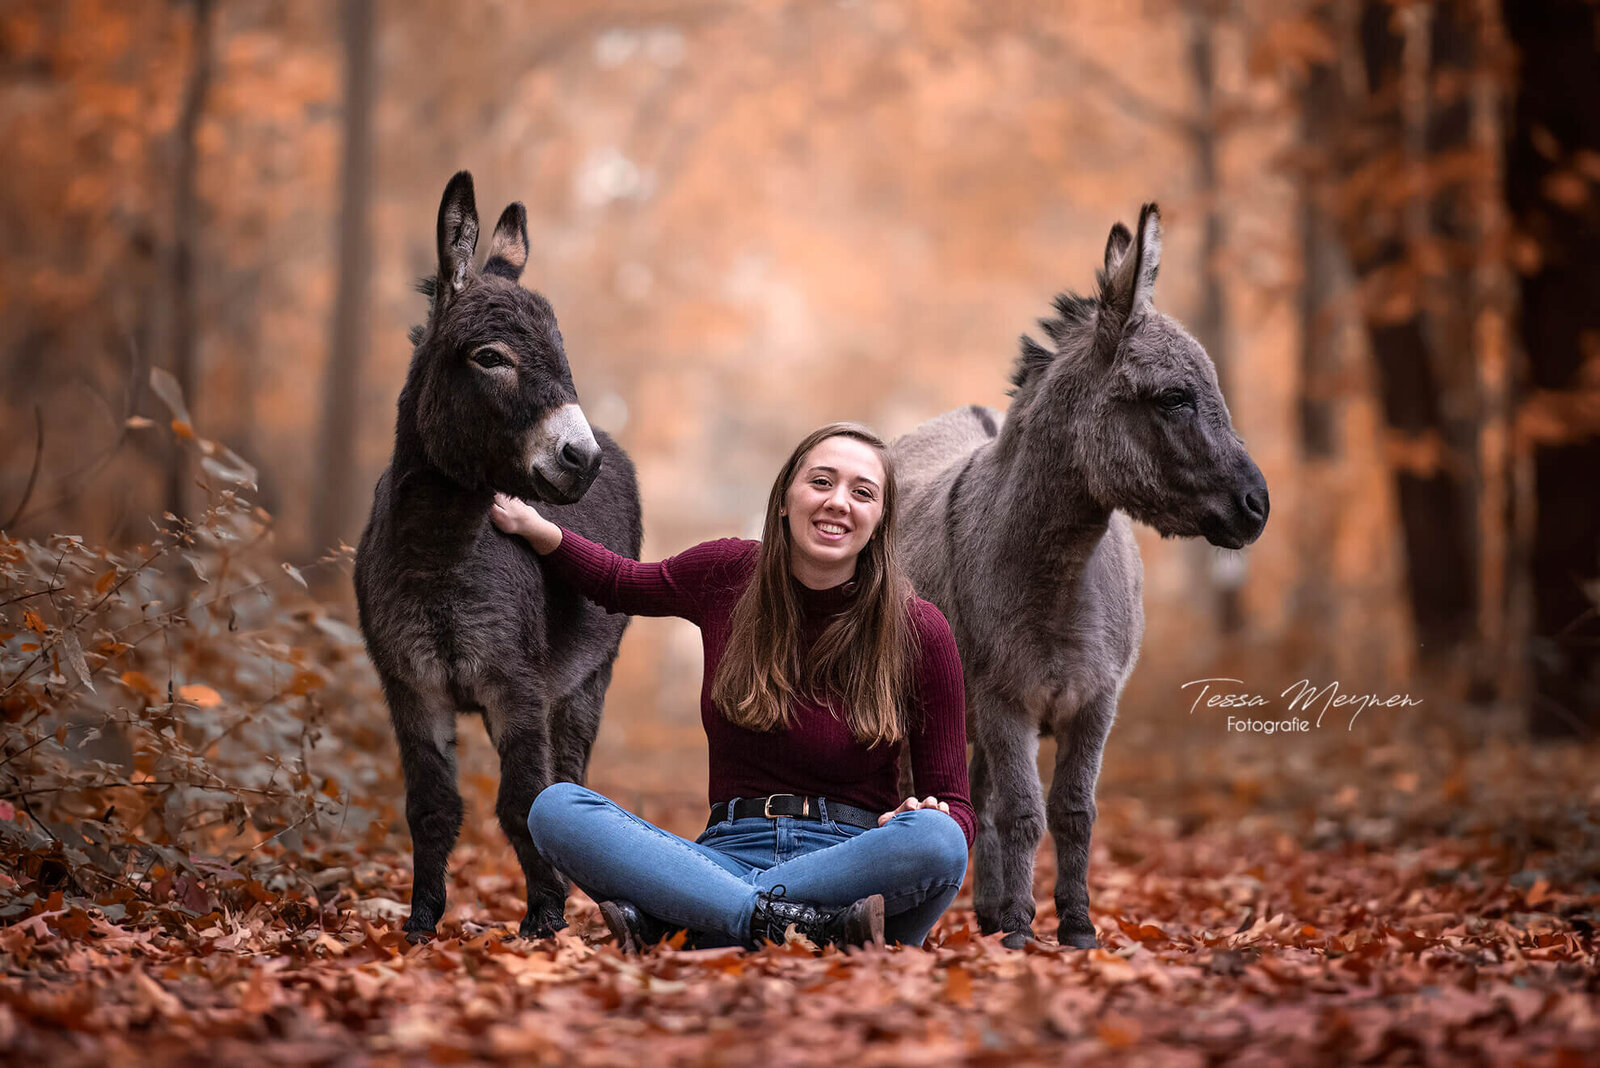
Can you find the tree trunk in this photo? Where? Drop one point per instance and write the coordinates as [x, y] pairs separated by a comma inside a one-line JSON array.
[[1489, 293], [336, 455], [1315, 601], [1226, 573], [1433, 478], [1553, 209]]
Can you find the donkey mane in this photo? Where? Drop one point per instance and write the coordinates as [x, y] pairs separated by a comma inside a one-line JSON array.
[[427, 285], [1076, 312]]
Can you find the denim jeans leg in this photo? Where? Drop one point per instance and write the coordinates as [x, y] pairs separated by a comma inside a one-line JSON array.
[[611, 853], [911, 926], [916, 861], [748, 846]]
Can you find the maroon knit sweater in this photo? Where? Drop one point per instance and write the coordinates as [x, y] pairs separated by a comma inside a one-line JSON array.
[[817, 754]]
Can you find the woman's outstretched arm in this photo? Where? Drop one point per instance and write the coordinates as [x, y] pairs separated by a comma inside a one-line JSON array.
[[681, 585]]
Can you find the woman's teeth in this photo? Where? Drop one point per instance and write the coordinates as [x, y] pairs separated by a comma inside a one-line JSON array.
[[831, 530]]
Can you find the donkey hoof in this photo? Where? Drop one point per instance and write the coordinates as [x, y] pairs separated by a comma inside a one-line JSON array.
[[419, 926], [1077, 938], [1018, 939], [541, 925]]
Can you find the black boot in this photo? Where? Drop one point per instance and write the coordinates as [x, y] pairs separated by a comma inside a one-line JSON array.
[[858, 924], [632, 930]]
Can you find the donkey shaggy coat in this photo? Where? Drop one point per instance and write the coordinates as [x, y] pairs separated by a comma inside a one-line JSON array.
[[458, 617], [1017, 526]]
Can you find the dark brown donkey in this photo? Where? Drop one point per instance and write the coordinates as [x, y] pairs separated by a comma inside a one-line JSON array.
[[457, 617]]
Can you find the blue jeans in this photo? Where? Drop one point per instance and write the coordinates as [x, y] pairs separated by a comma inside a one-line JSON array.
[[916, 861]]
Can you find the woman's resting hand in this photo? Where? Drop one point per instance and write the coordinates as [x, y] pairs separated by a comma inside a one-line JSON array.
[[911, 804], [519, 517]]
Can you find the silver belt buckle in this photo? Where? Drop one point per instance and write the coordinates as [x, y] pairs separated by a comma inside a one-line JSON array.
[[766, 806]]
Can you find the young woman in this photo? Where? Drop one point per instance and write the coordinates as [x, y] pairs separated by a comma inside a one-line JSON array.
[[819, 662]]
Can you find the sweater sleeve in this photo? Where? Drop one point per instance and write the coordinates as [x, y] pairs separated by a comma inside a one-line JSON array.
[[680, 585], [939, 732]]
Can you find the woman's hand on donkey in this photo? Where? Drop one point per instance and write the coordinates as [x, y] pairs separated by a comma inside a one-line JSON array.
[[519, 517], [911, 804]]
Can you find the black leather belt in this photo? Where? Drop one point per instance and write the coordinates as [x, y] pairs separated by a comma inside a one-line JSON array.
[[796, 806]]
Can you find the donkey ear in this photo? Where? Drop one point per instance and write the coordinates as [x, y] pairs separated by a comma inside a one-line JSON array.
[[458, 235], [508, 249], [1126, 289], [1117, 246]]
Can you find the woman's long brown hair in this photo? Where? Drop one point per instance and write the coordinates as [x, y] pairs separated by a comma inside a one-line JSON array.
[[860, 665]]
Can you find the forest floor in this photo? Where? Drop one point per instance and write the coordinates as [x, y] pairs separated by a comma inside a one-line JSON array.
[[202, 862], [1405, 908]]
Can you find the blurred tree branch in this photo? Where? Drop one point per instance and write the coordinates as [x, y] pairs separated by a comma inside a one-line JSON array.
[[186, 209]]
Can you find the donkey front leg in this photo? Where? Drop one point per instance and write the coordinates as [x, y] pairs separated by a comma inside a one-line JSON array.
[[574, 723], [987, 889], [525, 769], [1079, 744], [426, 732], [1011, 747]]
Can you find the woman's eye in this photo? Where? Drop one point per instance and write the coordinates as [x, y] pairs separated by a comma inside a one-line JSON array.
[[864, 494], [820, 483], [489, 358]]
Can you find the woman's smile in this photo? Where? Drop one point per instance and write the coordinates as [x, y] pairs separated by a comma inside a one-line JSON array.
[[833, 506]]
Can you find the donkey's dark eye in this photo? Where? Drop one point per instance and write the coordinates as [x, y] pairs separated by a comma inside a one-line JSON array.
[[490, 357], [1175, 400]]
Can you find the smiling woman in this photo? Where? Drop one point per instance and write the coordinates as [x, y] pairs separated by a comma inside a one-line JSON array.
[[830, 522], [838, 499], [818, 660]]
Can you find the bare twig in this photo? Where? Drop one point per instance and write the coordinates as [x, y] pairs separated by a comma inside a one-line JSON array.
[[244, 717], [29, 596], [266, 841], [22, 798], [78, 479], [226, 788], [24, 672], [33, 475]]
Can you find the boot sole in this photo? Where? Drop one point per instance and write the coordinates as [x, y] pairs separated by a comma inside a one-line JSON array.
[[865, 926], [621, 933]]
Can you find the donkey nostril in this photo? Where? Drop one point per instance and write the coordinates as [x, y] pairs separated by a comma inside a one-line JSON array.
[[580, 457], [1255, 503]]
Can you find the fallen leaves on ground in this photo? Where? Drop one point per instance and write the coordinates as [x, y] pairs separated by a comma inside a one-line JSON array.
[[1237, 943], [199, 865]]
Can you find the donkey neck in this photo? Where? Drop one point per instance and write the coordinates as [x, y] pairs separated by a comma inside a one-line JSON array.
[[1046, 522], [438, 518]]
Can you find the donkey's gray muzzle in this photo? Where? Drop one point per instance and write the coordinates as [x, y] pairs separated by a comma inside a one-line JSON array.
[[1246, 518], [563, 455]]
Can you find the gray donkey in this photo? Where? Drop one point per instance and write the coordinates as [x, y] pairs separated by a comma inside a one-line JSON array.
[[457, 617], [1017, 527]]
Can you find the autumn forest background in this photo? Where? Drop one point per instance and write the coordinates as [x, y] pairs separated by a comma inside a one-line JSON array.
[[1382, 219]]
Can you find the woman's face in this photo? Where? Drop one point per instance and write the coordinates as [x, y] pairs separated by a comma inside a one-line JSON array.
[[834, 504]]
